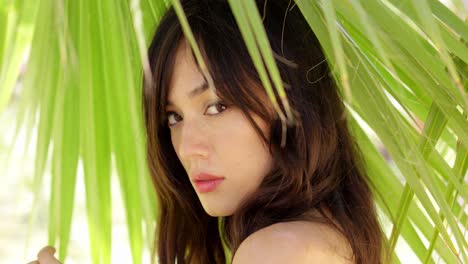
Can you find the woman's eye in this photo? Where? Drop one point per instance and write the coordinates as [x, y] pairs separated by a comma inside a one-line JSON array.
[[216, 108], [173, 118]]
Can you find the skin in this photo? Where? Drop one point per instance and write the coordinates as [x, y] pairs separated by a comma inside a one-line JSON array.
[[294, 242], [218, 139], [214, 138], [46, 256]]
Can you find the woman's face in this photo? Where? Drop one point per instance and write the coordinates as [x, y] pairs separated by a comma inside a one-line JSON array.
[[212, 138]]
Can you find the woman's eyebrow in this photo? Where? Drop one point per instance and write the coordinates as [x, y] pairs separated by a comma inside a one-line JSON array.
[[195, 92]]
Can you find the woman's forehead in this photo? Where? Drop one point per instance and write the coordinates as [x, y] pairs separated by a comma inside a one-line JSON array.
[[186, 78], [187, 81]]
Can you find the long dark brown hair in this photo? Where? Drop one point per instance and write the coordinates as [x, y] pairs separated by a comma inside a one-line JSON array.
[[318, 169]]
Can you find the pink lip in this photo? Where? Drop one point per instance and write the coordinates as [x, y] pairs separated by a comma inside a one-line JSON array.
[[205, 182]]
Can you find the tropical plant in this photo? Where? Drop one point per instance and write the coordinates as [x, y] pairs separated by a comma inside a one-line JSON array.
[[402, 67]]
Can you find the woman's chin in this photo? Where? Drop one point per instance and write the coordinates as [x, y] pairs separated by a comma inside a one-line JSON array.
[[217, 212]]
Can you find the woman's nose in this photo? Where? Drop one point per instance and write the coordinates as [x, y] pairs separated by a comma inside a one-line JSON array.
[[193, 141]]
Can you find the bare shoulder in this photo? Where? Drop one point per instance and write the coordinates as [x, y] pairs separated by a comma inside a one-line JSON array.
[[294, 242]]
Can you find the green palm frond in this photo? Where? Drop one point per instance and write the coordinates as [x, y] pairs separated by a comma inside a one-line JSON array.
[[402, 67]]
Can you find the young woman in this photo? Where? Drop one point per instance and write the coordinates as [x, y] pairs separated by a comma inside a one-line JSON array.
[[222, 178], [227, 190]]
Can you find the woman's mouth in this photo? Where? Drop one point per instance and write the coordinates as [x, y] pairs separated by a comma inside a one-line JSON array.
[[207, 185], [205, 182]]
